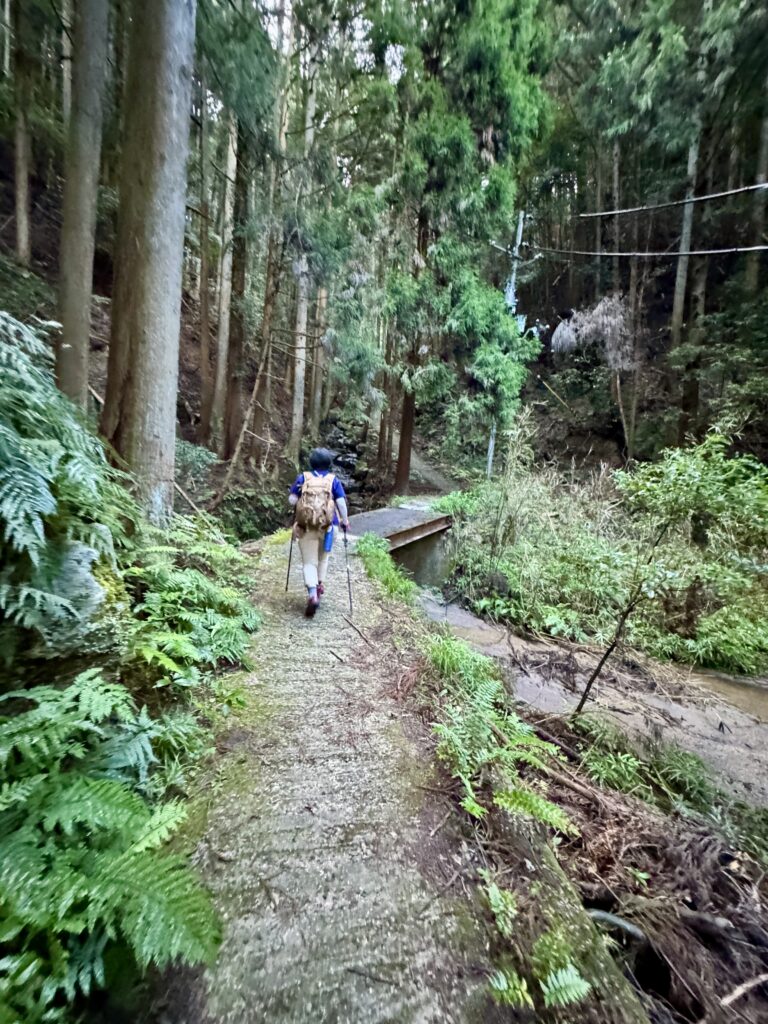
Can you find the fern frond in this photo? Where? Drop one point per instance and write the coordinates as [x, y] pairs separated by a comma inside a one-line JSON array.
[[524, 801], [565, 987]]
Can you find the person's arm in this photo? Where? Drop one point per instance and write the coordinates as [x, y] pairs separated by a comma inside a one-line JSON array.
[[341, 502], [295, 491]]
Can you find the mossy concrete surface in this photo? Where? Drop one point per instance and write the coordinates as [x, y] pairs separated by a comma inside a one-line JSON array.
[[324, 845]]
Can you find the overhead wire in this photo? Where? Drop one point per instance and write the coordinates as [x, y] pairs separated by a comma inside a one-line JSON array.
[[668, 253], [676, 202]]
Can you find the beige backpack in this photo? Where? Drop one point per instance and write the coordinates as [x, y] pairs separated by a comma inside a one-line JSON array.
[[315, 507]]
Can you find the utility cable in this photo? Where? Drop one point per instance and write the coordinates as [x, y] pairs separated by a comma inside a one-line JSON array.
[[668, 254], [676, 202]]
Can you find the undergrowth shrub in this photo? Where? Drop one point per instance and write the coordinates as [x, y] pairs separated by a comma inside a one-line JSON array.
[[57, 494], [81, 868], [190, 615], [563, 557], [374, 552], [84, 769], [671, 778], [479, 734]]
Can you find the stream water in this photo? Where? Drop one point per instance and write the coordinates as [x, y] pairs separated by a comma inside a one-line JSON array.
[[429, 563]]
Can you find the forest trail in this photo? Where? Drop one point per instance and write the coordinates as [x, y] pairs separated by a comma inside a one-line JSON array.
[[324, 848]]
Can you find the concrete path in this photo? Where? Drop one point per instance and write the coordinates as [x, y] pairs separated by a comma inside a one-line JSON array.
[[325, 847]]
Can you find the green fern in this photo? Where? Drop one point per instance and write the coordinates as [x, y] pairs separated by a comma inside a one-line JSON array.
[[56, 488], [502, 903], [81, 858], [509, 989], [524, 801], [564, 987]]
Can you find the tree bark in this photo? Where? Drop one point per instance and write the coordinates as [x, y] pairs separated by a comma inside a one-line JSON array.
[[681, 277], [302, 283], [139, 416], [616, 219], [225, 285], [689, 402], [206, 375], [7, 38], [300, 359], [81, 187], [233, 412], [67, 35], [598, 223], [758, 204], [318, 367], [403, 474], [22, 142]]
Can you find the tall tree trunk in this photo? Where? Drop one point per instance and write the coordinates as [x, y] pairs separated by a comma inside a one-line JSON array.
[[598, 222], [67, 35], [302, 283], [7, 33], [689, 402], [403, 474], [206, 375], [686, 233], [616, 219], [81, 186], [300, 358], [758, 204], [233, 412], [139, 416], [318, 368], [225, 282], [23, 71]]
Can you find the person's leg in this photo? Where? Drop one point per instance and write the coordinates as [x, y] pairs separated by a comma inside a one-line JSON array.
[[310, 544], [322, 566]]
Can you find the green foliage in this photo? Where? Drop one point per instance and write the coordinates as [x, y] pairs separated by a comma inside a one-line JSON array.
[[565, 987], [674, 779], [620, 771], [502, 904], [247, 512], [374, 551], [479, 735], [56, 490], [553, 556], [189, 615], [81, 866], [509, 989], [193, 464]]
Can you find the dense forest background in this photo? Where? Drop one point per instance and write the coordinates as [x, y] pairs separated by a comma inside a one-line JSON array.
[[349, 183], [523, 238]]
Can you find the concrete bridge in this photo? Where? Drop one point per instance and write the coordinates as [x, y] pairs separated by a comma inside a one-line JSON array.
[[400, 526]]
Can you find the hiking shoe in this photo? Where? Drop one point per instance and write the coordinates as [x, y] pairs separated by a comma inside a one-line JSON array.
[[320, 589], [312, 605]]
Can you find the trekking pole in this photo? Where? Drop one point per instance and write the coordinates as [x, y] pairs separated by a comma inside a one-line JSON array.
[[346, 558], [290, 556]]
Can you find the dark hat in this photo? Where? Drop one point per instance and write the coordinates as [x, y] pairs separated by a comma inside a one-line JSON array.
[[320, 458]]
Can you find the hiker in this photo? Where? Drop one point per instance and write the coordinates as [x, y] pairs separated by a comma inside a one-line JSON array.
[[321, 506]]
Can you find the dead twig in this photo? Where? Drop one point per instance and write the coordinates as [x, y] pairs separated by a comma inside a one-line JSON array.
[[743, 989], [359, 631], [440, 824], [371, 977]]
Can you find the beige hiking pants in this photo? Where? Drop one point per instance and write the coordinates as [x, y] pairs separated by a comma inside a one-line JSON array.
[[315, 560]]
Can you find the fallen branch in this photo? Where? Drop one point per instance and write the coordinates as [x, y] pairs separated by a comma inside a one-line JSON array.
[[358, 630], [371, 977], [742, 990]]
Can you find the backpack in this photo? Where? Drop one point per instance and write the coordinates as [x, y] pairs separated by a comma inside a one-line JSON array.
[[315, 507]]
